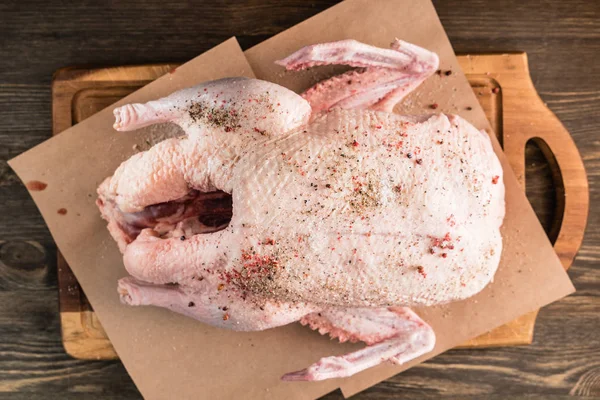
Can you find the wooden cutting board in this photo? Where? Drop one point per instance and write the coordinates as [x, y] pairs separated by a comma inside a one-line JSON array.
[[506, 93]]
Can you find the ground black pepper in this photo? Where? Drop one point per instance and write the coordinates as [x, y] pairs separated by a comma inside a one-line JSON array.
[[218, 117]]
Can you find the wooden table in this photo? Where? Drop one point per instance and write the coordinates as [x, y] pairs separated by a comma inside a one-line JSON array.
[[562, 39]]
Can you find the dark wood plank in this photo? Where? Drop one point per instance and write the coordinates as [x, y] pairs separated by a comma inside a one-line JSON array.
[[38, 37]]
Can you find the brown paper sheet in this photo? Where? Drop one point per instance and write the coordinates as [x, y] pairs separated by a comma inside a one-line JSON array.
[[170, 356]]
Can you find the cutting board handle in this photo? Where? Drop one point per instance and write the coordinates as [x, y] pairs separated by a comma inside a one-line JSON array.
[[555, 142]]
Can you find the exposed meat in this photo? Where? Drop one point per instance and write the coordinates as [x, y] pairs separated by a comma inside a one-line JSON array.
[[343, 215], [192, 214]]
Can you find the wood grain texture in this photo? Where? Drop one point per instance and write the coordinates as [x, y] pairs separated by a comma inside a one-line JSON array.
[[37, 37]]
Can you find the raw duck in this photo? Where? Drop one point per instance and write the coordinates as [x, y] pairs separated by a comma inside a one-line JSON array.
[[344, 213]]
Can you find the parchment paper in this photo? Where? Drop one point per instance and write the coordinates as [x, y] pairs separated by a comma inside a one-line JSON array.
[[170, 356]]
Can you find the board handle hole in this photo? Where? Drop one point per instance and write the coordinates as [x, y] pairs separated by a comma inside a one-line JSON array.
[[544, 186]]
